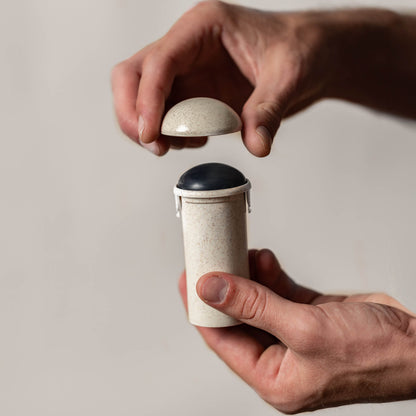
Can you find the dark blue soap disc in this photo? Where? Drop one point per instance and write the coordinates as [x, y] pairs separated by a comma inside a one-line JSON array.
[[210, 177]]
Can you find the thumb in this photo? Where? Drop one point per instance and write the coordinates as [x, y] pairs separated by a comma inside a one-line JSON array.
[[261, 118], [253, 304]]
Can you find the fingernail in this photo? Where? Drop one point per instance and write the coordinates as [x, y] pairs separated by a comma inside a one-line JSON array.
[[214, 289], [153, 147], [265, 137], [140, 127]]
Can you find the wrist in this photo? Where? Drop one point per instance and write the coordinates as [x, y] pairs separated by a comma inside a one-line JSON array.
[[410, 360], [358, 44], [399, 363], [380, 370]]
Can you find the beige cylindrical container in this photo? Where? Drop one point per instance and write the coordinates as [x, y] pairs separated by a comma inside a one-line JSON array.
[[212, 200]]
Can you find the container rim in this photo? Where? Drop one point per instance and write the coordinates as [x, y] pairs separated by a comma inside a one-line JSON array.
[[217, 193]]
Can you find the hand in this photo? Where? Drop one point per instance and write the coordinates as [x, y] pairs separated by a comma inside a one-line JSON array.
[[301, 350], [265, 65]]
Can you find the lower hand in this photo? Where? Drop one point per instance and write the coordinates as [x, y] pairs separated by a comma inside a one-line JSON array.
[[301, 350]]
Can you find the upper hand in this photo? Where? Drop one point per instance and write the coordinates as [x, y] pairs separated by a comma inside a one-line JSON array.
[[265, 65], [301, 350]]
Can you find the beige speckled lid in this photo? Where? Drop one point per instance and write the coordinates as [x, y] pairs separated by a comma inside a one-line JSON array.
[[198, 117]]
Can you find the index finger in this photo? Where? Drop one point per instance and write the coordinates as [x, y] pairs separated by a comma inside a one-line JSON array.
[[125, 78], [159, 71], [173, 55]]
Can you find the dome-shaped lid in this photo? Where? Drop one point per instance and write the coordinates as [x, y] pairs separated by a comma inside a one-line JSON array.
[[211, 176], [199, 117]]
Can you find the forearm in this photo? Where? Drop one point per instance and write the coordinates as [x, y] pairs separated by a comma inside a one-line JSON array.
[[403, 384], [372, 59]]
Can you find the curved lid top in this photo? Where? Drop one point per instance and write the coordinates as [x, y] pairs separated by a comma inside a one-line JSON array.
[[211, 176], [200, 117]]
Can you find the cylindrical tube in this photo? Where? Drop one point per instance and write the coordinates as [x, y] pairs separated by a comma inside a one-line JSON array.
[[214, 232]]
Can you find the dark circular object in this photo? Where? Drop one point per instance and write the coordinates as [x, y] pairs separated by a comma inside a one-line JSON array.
[[211, 177]]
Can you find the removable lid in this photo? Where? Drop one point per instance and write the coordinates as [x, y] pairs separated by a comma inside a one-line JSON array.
[[200, 117], [211, 180]]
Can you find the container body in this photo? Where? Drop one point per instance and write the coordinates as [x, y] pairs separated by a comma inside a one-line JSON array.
[[215, 239]]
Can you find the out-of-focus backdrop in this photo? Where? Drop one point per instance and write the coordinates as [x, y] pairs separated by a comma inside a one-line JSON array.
[[90, 317]]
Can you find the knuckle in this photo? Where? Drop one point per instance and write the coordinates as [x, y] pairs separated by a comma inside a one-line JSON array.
[[209, 4], [169, 62], [212, 9], [152, 59], [160, 61], [254, 305], [117, 71], [271, 109], [380, 297], [271, 113]]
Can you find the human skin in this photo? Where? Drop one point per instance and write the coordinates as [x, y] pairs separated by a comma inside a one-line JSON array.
[[301, 350], [267, 66]]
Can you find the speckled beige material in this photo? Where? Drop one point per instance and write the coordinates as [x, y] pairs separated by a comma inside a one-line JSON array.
[[215, 239], [199, 117]]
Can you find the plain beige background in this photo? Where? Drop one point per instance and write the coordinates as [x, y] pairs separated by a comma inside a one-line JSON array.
[[90, 318]]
